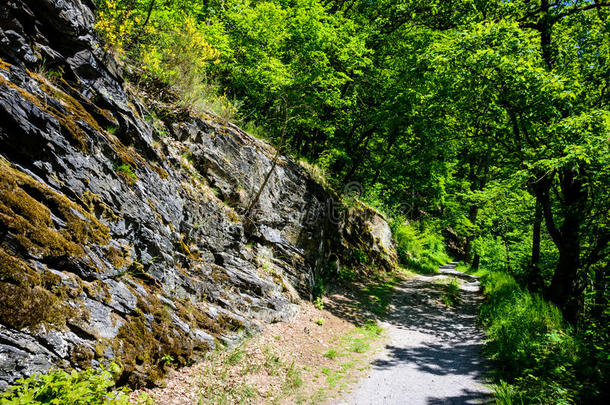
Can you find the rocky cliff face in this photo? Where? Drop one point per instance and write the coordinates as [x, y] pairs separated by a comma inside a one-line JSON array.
[[122, 232]]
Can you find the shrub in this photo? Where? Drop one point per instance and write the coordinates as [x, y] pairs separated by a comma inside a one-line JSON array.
[[319, 303], [67, 387], [419, 248], [346, 274], [169, 46]]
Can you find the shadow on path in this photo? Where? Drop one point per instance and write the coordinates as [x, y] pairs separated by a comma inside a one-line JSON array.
[[467, 397], [434, 353], [436, 359]]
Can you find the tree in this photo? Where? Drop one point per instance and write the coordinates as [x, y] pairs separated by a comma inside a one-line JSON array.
[[545, 122]]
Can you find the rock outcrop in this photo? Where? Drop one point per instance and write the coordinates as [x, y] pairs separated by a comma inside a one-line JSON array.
[[123, 235]]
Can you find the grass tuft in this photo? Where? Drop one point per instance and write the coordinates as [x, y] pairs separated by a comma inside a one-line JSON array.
[[331, 354], [534, 352], [451, 293]]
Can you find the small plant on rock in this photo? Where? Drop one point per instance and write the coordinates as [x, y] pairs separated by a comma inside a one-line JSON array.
[[359, 256], [319, 303], [126, 172]]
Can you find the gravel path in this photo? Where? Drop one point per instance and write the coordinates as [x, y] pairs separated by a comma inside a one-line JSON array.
[[433, 352]]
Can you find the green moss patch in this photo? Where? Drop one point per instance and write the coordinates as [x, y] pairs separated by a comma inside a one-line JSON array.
[[25, 211]]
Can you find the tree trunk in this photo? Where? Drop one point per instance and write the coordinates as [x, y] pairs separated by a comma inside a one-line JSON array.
[[507, 247], [535, 278], [472, 216], [564, 290], [475, 261], [536, 236]]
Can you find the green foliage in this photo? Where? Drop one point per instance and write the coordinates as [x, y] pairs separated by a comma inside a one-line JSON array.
[[419, 248], [331, 354], [485, 124], [293, 56], [319, 303], [126, 172], [537, 357], [319, 290], [359, 256], [69, 387], [165, 41], [346, 274], [507, 394], [326, 274], [451, 293]]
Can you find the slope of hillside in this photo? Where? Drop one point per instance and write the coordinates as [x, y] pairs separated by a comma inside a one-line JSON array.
[[123, 231]]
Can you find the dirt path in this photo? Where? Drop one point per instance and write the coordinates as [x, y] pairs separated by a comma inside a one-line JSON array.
[[433, 352]]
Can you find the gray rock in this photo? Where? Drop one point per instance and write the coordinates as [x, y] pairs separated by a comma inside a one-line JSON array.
[[163, 263]]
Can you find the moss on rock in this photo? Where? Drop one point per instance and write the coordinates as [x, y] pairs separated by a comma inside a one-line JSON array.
[[25, 211]]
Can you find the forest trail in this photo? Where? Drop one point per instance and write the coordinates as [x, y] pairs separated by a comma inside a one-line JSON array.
[[433, 354]]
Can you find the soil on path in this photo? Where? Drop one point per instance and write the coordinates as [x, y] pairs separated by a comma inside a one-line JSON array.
[[433, 355]]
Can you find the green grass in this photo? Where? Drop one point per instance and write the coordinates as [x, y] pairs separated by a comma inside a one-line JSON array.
[[349, 347], [293, 378], [420, 248], [236, 356], [358, 340], [535, 355], [451, 293], [331, 354], [372, 328], [272, 363], [359, 347], [226, 376]]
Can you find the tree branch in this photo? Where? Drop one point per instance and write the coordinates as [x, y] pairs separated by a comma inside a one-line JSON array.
[[541, 187], [566, 13]]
